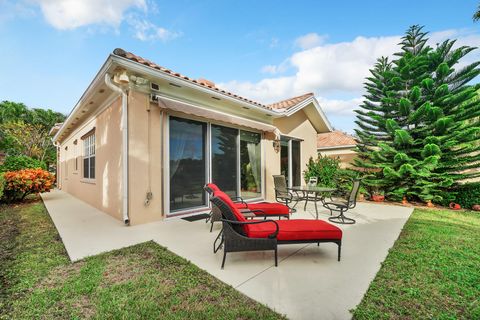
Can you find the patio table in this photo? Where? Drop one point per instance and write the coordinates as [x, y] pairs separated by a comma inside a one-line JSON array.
[[306, 190]]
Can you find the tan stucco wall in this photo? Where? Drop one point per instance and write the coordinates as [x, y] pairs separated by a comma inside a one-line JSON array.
[[297, 126], [105, 192], [141, 167], [272, 165], [346, 156], [145, 161]]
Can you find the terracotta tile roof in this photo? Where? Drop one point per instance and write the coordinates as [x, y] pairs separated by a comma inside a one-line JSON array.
[[288, 103], [334, 139], [202, 82]]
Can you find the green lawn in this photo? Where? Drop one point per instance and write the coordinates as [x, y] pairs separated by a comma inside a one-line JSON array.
[[432, 271], [144, 281]]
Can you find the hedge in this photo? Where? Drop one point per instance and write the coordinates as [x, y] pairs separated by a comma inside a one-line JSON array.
[[15, 163]]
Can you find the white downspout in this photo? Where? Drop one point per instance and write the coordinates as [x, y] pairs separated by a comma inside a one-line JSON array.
[[57, 148], [124, 121]]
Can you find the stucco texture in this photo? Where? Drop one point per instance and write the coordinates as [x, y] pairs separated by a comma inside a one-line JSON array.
[[104, 192]]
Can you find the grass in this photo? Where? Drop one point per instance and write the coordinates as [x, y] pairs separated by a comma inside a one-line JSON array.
[[145, 281], [432, 271]]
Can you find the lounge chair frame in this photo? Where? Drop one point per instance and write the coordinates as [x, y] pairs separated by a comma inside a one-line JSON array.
[[234, 239]]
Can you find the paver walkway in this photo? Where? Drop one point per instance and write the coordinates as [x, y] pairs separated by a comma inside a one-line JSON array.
[[308, 283]]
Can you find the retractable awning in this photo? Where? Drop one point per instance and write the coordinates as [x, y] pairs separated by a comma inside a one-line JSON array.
[[184, 107]]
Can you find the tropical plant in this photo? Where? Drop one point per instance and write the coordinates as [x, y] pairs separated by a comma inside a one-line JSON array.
[[19, 184], [419, 127], [15, 163], [25, 131], [324, 168], [2, 185], [476, 15]]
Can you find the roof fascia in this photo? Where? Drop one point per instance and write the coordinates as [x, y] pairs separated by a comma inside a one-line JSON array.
[[99, 77], [337, 147], [124, 62], [305, 103]]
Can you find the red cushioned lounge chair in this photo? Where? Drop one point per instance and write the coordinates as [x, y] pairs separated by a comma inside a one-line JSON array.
[[262, 209], [240, 234]]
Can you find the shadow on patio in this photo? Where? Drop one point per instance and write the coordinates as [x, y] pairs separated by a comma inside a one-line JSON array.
[[308, 283]]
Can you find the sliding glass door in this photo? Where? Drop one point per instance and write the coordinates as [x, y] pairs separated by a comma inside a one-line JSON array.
[[290, 165], [224, 158], [250, 165], [200, 152], [187, 163], [296, 165]]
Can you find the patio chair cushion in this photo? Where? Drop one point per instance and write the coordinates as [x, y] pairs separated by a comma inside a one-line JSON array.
[[299, 229], [213, 186], [223, 196], [268, 208]]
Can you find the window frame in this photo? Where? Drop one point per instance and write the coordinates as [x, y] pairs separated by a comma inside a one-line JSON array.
[[89, 154], [166, 158]]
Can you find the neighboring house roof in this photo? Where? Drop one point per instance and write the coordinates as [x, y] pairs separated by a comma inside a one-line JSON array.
[[288, 103], [335, 139]]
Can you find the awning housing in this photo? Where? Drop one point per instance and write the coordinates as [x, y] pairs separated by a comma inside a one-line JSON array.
[[187, 108]]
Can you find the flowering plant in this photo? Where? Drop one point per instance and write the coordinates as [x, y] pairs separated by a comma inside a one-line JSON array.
[[19, 184]]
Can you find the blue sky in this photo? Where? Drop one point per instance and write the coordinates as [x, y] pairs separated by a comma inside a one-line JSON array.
[[264, 50]]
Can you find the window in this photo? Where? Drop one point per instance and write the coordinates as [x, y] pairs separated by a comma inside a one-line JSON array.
[[187, 163], [75, 155], [89, 156]]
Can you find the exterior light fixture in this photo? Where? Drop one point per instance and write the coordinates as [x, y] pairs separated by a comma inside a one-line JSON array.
[[276, 145]]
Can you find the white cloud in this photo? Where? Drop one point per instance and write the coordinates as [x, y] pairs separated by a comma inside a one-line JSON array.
[[71, 14], [339, 67], [310, 40], [275, 69], [340, 107], [144, 30]]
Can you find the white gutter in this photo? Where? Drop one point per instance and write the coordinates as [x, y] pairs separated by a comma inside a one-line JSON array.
[[135, 66], [124, 122]]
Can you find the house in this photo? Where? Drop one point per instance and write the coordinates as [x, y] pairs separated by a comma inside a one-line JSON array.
[[337, 144], [143, 140]]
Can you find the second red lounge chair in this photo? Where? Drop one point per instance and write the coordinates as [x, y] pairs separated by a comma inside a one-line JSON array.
[[262, 209]]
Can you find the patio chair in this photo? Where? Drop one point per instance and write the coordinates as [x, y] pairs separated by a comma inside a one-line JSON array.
[[282, 194], [240, 234], [344, 204], [262, 209]]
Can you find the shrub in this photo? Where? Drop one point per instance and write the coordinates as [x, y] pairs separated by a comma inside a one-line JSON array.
[[344, 179], [19, 184], [468, 194], [2, 185], [324, 168], [15, 163]]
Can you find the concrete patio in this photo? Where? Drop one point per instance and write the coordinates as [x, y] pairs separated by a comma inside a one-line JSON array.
[[309, 282]]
